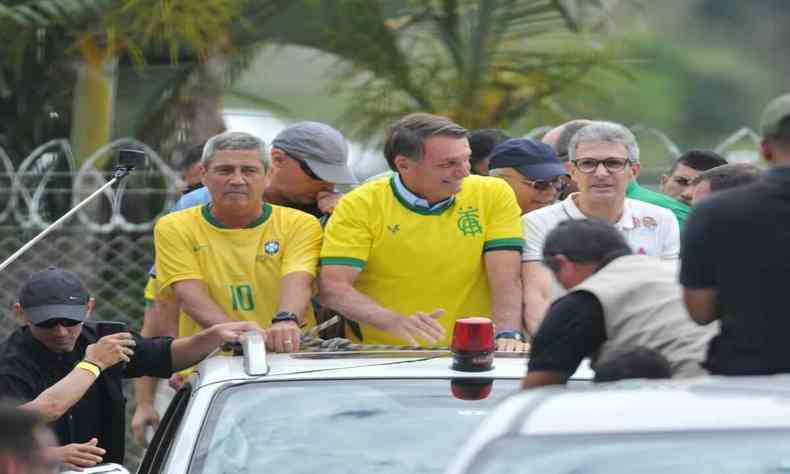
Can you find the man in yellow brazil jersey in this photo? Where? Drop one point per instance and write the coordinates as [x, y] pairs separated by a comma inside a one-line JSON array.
[[238, 257], [308, 160], [405, 256]]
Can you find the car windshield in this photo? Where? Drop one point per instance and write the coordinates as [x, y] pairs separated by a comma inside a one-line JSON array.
[[341, 426], [730, 452]]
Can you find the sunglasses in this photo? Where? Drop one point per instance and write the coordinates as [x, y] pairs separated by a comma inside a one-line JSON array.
[[557, 183], [51, 323], [612, 165], [306, 169]]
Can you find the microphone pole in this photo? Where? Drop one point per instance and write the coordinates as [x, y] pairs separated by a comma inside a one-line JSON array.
[[128, 159]]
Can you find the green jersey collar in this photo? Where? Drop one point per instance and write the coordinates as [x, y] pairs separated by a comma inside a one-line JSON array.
[[415, 203], [265, 213]]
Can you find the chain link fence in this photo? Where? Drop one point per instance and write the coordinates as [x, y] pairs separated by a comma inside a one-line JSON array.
[[108, 243], [114, 268]]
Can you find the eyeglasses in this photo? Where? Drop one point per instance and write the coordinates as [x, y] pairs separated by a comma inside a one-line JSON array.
[[306, 169], [51, 323], [557, 183], [590, 165]]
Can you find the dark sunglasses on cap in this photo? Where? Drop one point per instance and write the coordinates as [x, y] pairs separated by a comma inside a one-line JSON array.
[[557, 183], [51, 323]]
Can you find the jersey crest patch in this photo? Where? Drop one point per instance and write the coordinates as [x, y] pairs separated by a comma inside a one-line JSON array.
[[649, 222], [271, 247], [469, 222]]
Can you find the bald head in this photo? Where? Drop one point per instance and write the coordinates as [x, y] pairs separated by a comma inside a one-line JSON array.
[[559, 137]]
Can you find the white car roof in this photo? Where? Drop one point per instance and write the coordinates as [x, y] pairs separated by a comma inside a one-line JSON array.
[[707, 403], [361, 365], [637, 406]]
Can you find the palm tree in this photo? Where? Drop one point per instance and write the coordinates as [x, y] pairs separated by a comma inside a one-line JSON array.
[[86, 39], [485, 63]]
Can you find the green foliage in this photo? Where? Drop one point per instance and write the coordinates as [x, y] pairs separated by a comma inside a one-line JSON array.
[[697, 96], [44, 39], [485, 63], [119, 27]]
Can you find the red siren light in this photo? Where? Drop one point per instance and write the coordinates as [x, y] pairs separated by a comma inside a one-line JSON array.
[[473, 345], [471, 389]]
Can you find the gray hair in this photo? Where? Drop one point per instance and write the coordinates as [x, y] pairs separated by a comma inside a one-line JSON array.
[[608, 132], [231, 140], [567, 133]]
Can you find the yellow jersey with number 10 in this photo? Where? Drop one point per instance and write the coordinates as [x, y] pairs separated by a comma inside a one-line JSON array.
[[414, 259], [242, 268]]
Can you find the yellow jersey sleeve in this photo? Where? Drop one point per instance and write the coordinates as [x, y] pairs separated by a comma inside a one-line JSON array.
[[348, 236], [150, 292], [175, 257], [503, 231], [303, 247], [165, 294]]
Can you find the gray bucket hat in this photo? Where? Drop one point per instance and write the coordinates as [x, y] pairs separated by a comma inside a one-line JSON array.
[[321, 147]]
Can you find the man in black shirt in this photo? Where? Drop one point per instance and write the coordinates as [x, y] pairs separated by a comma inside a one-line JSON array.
[[58, 367], [617, 300], [736, 261]]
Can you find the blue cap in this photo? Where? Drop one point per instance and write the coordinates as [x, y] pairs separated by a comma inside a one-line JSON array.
[[533, 159]]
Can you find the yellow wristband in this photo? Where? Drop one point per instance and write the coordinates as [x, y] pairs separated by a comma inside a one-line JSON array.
[[90, 367]]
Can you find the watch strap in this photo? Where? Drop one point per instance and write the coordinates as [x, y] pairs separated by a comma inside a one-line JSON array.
[[283, 316], [510, 334]]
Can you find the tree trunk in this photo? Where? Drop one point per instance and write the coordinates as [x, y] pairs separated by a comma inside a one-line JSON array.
[[94, 100]]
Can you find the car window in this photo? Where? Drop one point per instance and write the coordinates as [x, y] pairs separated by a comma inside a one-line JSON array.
[[719, 452], [341, 426], [160, 445]]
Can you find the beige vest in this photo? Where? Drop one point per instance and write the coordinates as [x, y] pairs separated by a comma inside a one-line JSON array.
[[643, 306]]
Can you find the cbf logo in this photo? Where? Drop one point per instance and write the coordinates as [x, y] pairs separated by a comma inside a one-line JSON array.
[[271, 247], [469, 222]]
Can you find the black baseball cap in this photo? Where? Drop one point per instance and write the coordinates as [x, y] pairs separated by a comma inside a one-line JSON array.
[[53, 293], [532, 158]]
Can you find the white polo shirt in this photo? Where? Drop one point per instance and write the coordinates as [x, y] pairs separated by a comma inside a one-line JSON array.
[[649, 229]]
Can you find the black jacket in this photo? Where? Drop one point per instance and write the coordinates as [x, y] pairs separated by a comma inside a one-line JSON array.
[[27, 368]]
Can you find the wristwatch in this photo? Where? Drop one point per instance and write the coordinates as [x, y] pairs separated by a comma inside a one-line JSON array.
[[283, 316], [510, 334]]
